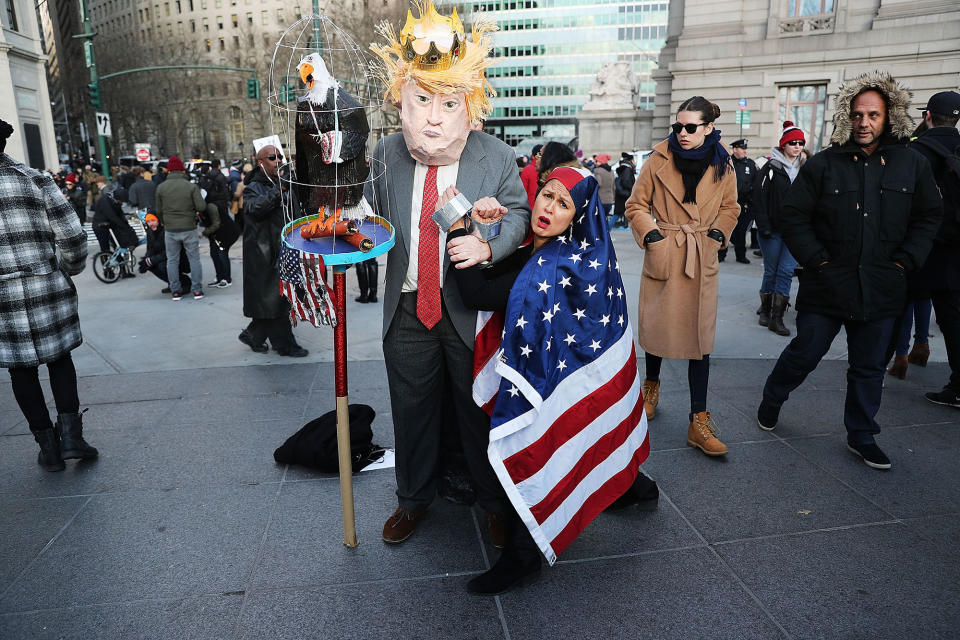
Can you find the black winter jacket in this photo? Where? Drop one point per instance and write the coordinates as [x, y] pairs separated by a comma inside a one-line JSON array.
[[263, 223], [746, 173], [850, 217], [107, 213], [768, 193]]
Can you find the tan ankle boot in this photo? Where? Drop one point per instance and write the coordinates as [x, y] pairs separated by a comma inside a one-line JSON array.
[[899, 367], [919, 354], [651, 396], [702, 434]]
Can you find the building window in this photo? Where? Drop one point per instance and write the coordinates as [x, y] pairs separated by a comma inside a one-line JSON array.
[[220, 22], [264, 17], [249, 17], [796, 8], [806, 107], [235, 20], [206, 24], [223, 44], [207, 42], [279, 16]]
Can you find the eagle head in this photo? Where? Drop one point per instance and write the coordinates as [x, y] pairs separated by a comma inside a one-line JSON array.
[[314, 74]]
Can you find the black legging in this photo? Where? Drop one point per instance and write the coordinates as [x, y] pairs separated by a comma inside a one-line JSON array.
[[698, 377], [29, 394]]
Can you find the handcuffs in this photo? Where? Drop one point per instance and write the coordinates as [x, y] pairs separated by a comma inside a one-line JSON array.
[[459, 208]]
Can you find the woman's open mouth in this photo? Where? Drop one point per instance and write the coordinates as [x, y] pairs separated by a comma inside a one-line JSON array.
[[543, 222]]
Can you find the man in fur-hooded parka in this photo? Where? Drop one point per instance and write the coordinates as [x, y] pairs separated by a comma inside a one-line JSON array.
[[860, 215]]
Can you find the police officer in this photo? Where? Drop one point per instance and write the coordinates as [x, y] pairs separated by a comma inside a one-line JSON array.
[[746, 171]]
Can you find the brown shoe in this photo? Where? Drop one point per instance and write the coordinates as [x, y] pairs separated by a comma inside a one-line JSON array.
[[651, 396], [400, 525], [899, 368], [919, 354], [702, 434], [497, 529]]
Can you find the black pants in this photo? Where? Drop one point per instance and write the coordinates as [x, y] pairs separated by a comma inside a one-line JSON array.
[[278, 330], [29, 393], [160, 270], [739, 236], [367, 274], [221, 260], [419, 363], [698, 377], [866, 342], [946, 304]]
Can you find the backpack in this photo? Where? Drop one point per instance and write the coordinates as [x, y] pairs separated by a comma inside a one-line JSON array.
[[315, 445]]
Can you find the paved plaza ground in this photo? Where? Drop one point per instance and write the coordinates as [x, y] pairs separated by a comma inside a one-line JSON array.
[[185, 527]]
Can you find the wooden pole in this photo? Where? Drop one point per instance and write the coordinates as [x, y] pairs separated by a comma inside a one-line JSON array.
[[343, 411]]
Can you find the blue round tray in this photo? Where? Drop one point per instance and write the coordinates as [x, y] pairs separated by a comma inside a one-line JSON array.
[[336, 250]]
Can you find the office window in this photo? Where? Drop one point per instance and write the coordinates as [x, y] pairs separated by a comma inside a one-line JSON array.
[[220, 22], [806, 106], [206, 24], [223, 44], [235, 20], [249, 17], [264, 17], [796, 8], [279, 15]]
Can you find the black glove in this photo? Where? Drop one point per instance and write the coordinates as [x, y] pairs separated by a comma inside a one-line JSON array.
[[716, 234], [653, 236]]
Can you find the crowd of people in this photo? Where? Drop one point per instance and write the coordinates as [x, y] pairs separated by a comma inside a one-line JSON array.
[[872, 221]]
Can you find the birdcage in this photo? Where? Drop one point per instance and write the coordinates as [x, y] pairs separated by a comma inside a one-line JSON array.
[[327, 116]]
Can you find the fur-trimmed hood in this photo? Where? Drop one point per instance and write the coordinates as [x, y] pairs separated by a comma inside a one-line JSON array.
[[898, 100]]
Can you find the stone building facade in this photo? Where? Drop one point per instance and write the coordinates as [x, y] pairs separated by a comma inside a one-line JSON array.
[[24, 98], [788, 58]]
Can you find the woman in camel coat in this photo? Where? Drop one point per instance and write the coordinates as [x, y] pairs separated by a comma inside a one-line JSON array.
[[682, 209]]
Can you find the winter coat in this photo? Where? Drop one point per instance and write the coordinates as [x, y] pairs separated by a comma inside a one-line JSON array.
[[529, 178], [143, 194], [941, 271], [605, 180], [625, 178], [678, 284], [772, 183], [38, 301], [78, 200], [178, 202], [109, 214], [263, 222], [746, 172], [852, 218]]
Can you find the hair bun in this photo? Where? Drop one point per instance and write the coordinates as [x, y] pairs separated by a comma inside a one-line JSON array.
[[716, 110], [6, 130], [787, 123]]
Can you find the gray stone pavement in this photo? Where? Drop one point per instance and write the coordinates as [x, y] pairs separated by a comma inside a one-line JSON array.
[[186, 528]]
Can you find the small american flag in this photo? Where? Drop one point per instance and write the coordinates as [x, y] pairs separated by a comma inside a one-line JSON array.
[[568, 431], [302, 283]]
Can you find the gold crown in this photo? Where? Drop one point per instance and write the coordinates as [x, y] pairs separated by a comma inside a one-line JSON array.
[[417, 39]]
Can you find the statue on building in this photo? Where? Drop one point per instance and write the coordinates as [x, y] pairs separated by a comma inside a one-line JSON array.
[[615, 87]]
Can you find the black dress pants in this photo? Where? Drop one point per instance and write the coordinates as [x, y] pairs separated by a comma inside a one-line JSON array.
[[866, 343], [419, 362], [29, 393], [278, 330]]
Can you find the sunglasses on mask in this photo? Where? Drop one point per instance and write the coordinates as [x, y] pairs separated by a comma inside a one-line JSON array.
[[689, 128]]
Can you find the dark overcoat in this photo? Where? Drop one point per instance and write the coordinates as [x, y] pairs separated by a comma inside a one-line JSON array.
[[38, 302]]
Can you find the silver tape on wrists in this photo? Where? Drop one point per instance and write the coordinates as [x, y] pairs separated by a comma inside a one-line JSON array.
[[454, 210], [487, 230]]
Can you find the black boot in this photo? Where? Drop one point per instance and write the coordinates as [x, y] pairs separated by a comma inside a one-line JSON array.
[[49, 457], [764, 311], [643, 492], [519, 561], [373, 272], [361, 268], [777, 309], [70, 429]]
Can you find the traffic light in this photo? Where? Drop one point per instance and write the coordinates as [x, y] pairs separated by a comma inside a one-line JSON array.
[[253, 88], [93, 90]]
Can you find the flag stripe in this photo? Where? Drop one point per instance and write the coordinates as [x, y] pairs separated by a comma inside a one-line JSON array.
[[535, 455], [593, 456], [612, 489]]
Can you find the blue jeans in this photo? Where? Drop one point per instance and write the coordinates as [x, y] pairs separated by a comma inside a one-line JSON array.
[[191, 244], [778, 265], [866, 347], [917, 311]]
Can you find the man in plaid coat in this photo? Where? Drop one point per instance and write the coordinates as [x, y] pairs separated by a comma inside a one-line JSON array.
[[39, 323]]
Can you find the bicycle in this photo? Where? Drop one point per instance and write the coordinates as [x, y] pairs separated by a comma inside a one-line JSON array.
[[109, 266]]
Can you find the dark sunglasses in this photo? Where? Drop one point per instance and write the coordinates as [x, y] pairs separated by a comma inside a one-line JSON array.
[[690, 128], [797, 143], [273, 158]]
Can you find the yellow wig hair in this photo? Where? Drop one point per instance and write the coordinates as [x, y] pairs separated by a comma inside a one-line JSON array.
[[465, 75]]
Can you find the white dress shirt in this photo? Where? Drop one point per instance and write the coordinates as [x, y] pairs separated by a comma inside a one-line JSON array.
[[446, 177]]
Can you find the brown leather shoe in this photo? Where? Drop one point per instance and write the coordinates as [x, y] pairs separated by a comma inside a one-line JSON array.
[[702, 434], [919, 354], [497, 529], [899, 367], [400, 525], [651, 396]]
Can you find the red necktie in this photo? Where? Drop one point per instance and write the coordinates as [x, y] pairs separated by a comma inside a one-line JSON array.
[[428, 256]]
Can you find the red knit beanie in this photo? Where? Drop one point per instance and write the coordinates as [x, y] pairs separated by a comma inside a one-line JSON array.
[[71, 177], [174, 164], [790, 132]]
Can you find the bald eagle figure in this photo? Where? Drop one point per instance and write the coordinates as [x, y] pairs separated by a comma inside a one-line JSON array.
[[331, 138]]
